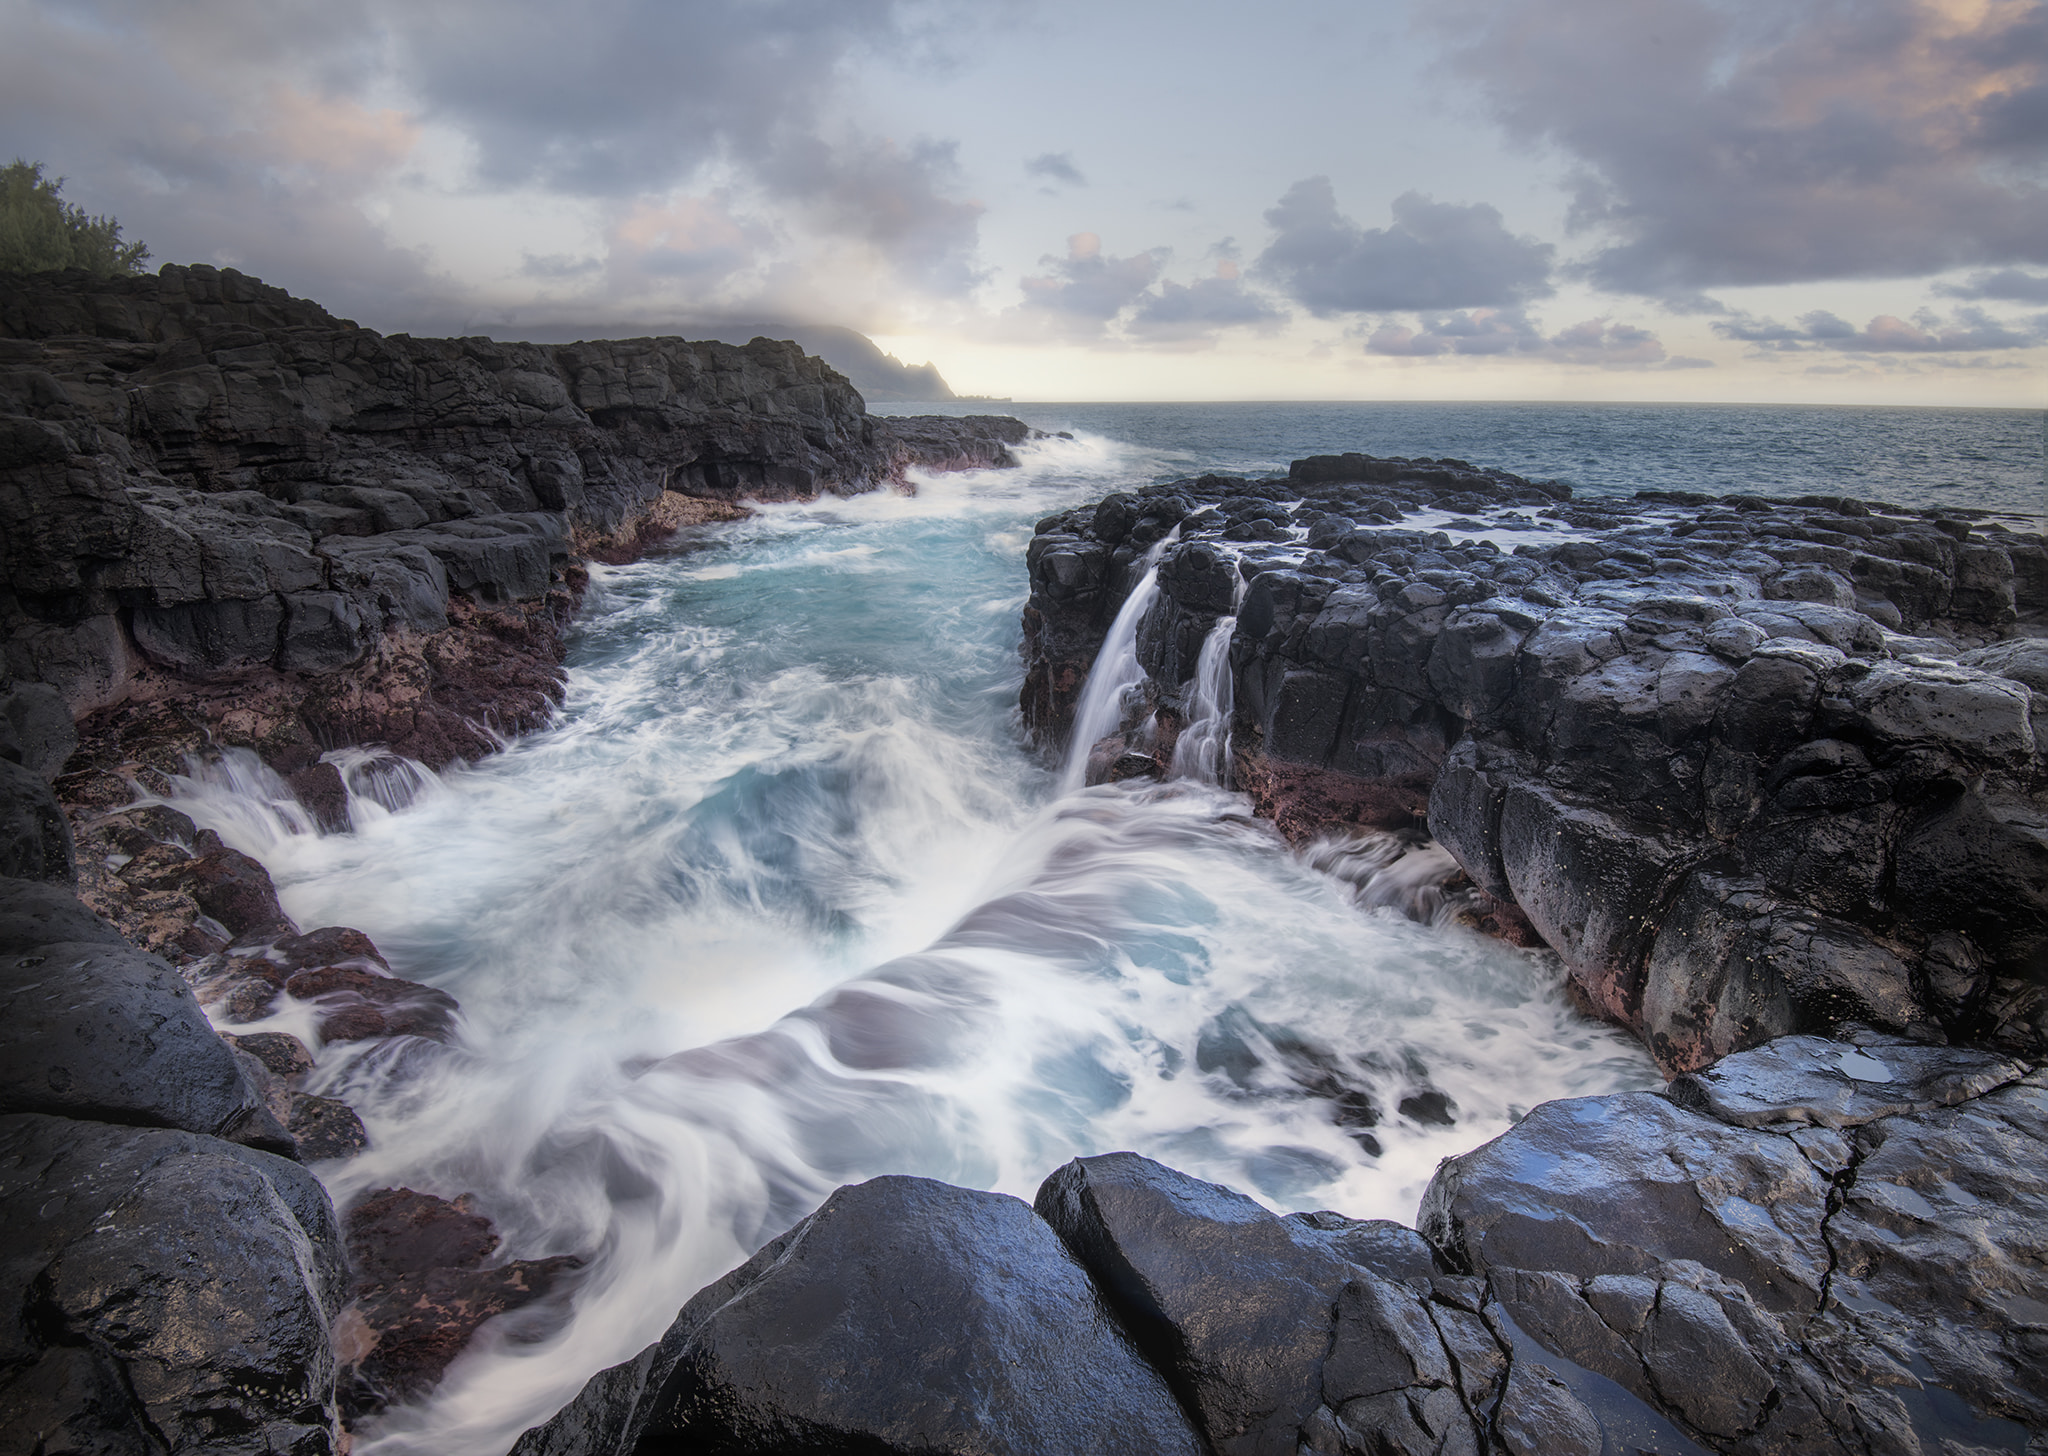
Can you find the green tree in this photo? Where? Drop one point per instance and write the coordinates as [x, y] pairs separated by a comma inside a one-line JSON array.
[[39, 230]]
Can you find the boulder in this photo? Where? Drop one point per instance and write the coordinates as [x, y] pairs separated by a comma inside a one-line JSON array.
[[423, 1284], [903, 1316], [104, 1032], [35, 837], [172, 1292]]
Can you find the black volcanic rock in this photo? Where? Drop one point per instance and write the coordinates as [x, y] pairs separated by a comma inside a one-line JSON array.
[[1751, 767], [167, 1291], [348, 537], [903, 1316], [106, 1033], [1841, 1251]]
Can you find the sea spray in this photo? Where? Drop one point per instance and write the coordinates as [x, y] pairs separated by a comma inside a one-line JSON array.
[[782, 901]]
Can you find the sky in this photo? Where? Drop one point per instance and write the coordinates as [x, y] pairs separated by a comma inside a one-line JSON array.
[[1836, 201]]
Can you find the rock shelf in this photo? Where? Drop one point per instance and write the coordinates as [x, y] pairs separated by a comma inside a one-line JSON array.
[[1751, 767]]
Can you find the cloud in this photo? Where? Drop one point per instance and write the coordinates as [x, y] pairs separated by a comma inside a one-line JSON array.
[[281, 138], [1192, 315], [240, 134], [1087, 288], [1090, 294], [1056, 167], [1490, 332], [560, 265], [1436, 255], [1967, 330], [2015, 284], [1717, 143], [903, 201], [621, 97]]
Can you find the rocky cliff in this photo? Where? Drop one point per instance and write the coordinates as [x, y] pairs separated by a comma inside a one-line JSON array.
[[309, 534], [1750, 766]]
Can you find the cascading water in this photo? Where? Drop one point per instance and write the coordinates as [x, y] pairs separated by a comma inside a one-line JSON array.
[[782, 901], [1117, 670], [1202, 752]]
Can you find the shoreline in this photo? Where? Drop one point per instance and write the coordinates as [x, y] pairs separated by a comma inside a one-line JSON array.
[[1784, 1291]]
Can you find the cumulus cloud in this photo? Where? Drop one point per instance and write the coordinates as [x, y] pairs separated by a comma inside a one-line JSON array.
[[1735, 142], [1191, 315], [1486, 332], [1087, 288], [1056, 167], [1435, 255], [1969, 330]]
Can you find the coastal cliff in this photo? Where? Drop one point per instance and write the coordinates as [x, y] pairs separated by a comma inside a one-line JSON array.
[[1751, 767], [1810, 1245], [236, 524], [309, 534]]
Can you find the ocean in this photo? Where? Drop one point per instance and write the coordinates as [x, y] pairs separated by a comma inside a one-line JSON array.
[[784, 899]]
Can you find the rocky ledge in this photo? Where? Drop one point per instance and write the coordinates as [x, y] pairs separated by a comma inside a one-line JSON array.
[[1815, 1247], [1750, 766]]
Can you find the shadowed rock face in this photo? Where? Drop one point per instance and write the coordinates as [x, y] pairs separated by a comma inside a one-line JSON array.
[[221, 494], [1751, 767]]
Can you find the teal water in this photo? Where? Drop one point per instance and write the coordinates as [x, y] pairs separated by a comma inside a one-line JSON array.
[[783, 900]]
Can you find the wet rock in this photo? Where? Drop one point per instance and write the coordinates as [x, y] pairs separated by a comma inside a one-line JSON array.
[[1815, 1080], [1840, 1251], [1593, 884], [223, 883], [172, 1293], [359, 1005], [35, 912], [35, 837], [282, 1054], [422, 1287], [38, 731], [903, 1316], [104, 1032], [320, 789], [1231, 1302], [325, 1128], [1711, 686]]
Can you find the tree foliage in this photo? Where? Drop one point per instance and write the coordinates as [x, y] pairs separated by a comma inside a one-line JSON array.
[[40, 231]]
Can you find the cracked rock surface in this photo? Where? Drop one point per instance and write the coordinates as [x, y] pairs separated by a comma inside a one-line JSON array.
[[1750, 766]]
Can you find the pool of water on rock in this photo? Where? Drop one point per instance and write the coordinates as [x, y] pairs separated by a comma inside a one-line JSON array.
[[783, 901]]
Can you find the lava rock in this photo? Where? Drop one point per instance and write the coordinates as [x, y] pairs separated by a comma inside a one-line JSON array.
[[35, 837], [908, 1316], [422, 1288], [1840, 1251], [173, 1292], [104, 1032]]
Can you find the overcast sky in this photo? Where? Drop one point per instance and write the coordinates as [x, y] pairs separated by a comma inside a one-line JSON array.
[[1830, 200]]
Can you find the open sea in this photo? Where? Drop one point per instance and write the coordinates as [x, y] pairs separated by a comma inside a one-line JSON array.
[[783, 899]]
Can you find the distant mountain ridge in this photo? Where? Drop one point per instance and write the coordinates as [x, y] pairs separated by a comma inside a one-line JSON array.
[[875, 374]]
